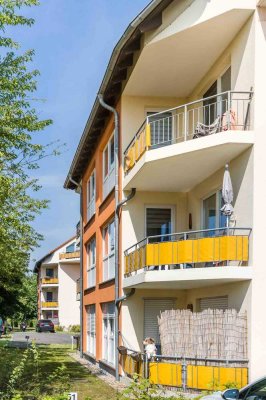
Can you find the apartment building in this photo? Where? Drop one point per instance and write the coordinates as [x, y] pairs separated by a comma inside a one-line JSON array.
[[186, 85], [58, 273]]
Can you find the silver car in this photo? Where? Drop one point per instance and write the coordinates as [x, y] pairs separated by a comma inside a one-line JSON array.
[[254, 391]]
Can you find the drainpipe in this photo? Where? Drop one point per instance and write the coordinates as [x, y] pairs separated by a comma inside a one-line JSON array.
[[125, 297], [79, 187], [116, 149], [118, 205]]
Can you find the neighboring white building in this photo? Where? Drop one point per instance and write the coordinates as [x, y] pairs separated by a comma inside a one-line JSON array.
[[58, 277]]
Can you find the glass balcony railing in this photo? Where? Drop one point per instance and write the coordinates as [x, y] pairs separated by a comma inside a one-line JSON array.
[[207, 116], [194, 249]]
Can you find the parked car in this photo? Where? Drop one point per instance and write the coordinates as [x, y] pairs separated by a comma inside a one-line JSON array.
[[254, 391], [45, 325]]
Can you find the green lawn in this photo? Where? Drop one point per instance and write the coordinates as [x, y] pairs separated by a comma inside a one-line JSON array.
[[52, 357]]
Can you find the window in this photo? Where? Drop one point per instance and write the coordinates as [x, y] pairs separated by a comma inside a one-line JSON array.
[[49, 296], [108, 167], [213, 303], [91, 195], [161, 128], [49, 272], [217, 105], [109, 251], [70, 248], [108, 310], [159, 221], [91, 330], [152, 310], [91, 254], [212, 215]]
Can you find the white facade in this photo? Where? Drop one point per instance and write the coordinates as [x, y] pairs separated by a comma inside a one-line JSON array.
[[197, 42], [58, 273]]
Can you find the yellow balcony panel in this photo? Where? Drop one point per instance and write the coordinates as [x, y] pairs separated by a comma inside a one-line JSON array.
[[49, 304], [208, 378], [67, 256], [217, 258], [47, 280]]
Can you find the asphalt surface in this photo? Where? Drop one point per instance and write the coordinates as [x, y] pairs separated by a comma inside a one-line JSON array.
[[41, 338]]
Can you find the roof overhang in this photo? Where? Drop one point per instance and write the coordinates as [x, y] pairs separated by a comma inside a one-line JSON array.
[[117, 72], [184, 56]]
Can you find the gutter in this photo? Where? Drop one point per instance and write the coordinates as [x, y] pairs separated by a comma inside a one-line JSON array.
[[79, 188]]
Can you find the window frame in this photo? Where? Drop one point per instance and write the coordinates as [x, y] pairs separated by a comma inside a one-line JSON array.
[[91, 199], [91, 329], [166, 206], [110, 166], [217, 193], [110, 253], [91, 267], [107, 337]]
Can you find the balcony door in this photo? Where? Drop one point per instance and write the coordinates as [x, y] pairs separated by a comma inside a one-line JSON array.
[[159, 222], [161, 128], [217, 105], [212, 216]]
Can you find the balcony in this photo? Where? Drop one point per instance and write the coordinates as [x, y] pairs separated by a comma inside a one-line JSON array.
[[49, 304], [198, 137], [68, 256], [49, 281], [189, 259]]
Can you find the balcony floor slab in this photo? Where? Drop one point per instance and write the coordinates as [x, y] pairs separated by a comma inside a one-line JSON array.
[[187, 278], [190, 162]]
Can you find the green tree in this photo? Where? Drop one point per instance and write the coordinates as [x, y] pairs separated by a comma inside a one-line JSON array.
[[20, 153]]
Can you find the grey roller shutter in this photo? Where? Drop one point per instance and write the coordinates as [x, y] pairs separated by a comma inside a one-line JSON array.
[[152, 309], [218, 303]]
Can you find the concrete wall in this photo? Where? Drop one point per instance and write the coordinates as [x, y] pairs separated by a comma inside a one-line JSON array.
[[69, 311]]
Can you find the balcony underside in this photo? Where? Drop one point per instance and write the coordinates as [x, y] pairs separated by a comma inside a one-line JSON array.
[[188, 278], [189, 162], [185, 54]]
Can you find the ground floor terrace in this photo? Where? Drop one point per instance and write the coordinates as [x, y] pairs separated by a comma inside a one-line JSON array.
[[202, 334]]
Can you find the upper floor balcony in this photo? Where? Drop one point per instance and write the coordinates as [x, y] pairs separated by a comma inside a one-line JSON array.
[[198, 137], [50, 304], [69, 255], [49, 281], [189, 259]]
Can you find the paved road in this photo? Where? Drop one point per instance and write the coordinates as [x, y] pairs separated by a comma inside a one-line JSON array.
[[41, 338]]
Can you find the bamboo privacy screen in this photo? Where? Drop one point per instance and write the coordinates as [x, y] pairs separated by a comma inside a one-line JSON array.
[[214, 334]]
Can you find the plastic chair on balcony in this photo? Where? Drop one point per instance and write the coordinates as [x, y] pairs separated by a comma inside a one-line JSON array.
[[206, 130]]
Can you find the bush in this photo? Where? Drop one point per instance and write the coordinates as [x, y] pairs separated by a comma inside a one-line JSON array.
[[142, 389], [59, 328], [31, 324], [74, 328]]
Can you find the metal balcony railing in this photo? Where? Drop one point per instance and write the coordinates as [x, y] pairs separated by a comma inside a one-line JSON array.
[[72, 254], [48, 280], [185, 373], [193, 249], [49, 304], [219, 113]]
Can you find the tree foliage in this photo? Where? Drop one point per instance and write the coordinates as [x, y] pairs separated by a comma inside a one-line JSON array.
[[20, 152]]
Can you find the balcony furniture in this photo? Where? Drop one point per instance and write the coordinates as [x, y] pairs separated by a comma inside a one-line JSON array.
[[205, 130]]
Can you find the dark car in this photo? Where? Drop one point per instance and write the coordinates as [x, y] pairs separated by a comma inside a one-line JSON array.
[[254, 391], [45, 325]]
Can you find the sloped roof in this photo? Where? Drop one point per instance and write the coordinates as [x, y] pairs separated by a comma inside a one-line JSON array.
[[39, 262], [117, 73]]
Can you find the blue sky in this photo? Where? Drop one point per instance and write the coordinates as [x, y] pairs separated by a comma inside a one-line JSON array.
[[73, 40]]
